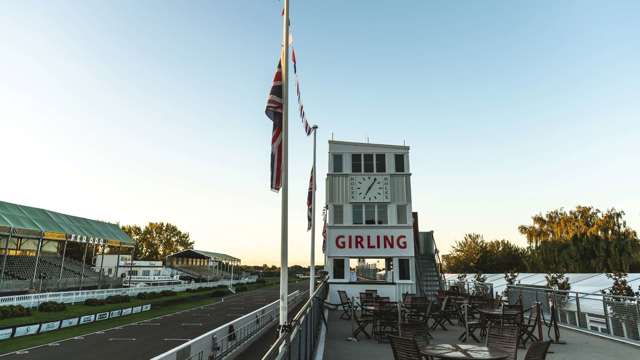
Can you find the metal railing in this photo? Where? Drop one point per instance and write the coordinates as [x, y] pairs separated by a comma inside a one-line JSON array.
[[301, 341], [614, 317], [33, 300], [223, 340], [470, 287]]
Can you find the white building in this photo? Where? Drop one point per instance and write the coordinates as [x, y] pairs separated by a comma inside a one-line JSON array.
[[137, 271], [370, 226]]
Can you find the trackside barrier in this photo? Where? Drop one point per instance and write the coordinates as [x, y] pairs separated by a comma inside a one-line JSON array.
[[301, 342], [223, 340], [612, 317], [39, 328], [33, 300]]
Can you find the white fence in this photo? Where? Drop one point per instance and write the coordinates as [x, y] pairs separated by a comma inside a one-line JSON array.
[[224, 339], [33, 300]]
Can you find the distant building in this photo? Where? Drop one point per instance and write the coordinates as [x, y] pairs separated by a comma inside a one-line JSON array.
[[203, 265], [138, 271]]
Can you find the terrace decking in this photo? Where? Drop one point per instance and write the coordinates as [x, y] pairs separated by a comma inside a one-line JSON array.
[[578, 345]]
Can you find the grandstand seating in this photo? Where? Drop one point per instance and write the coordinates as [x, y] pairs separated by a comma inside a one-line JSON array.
[[21, 267], [200, 272]]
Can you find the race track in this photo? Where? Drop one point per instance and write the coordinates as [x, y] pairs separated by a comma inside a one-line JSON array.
[[152, 337]]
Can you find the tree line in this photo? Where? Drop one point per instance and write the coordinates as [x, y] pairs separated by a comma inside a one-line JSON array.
[[584, 239]]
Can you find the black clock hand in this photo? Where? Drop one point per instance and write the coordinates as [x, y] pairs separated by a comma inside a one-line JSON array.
[[370, 186]]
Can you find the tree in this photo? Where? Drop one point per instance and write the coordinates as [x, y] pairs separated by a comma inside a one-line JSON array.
[[582, 240], [157, 240], [473, 254]]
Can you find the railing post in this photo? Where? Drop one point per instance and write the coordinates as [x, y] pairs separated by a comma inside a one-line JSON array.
[[579, 319]]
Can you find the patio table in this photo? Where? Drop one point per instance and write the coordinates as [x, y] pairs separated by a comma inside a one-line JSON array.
[[462, 352]]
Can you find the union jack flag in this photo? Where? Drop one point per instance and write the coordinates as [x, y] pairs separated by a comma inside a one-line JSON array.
[[310, 202], [274, 112]]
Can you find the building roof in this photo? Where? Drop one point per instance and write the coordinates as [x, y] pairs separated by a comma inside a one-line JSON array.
[[354, 143], [207, 254], [33, 222]]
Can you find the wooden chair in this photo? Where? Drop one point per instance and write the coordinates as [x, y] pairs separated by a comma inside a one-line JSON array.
[[367, 300], [504, 338], [361, 322], [346, 304], [419, 331], [527, 330], [470, 325], [439, 315], [512, 314], [385, 320], [538, 351], [404, 348]]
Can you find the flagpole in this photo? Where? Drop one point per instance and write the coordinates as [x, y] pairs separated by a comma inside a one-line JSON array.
[[284, 261], [312, 262]]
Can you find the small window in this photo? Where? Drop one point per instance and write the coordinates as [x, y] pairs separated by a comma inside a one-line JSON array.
[[357, 213], [403, 271], [399, 163], [369, 214], [338, 216], [145, 272], [401, 211], [382, 214], [356, 163], [381, 164], [338, 268], [368, 163], [337, 163]]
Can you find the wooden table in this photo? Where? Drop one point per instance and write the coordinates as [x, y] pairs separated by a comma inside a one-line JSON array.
[[499, 312], [462, 352]]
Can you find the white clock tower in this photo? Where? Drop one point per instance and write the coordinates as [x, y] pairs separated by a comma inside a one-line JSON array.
[[370, 241]]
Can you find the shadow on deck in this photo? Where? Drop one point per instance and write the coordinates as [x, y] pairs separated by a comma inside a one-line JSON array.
[[578, 345]]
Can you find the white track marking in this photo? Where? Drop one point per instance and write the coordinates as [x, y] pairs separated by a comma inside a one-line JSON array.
[[122, 339]]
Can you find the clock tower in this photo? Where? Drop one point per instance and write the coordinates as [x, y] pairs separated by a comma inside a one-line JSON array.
[[369, 224]]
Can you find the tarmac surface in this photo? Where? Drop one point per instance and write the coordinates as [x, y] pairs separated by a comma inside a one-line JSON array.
[[152, 337]]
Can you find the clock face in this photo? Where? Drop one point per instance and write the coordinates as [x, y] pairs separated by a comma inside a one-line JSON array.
[[370, 188]]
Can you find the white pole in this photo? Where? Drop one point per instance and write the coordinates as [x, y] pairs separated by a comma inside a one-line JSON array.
[[312, 262], [284, 238]]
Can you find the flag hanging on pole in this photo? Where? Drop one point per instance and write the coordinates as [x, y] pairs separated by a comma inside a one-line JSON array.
[[274, 112], [310, 202], [303, 116], [324, 228]]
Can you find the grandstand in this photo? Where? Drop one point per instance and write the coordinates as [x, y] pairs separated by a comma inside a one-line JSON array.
[[203, 265], [36, 248]]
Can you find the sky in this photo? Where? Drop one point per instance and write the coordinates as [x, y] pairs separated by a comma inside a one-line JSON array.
[[139, 111]]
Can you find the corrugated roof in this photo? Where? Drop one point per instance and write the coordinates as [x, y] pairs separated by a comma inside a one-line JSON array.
[[209, 254], [21, 217]]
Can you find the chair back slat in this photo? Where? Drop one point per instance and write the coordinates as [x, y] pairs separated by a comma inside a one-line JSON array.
[[504, 338], [537, 351], [404, 348]]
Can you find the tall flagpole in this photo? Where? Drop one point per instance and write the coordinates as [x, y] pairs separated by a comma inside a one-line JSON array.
[[312, 262], [284, 261]]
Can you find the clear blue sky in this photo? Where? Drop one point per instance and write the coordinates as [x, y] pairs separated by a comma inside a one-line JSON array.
[[137, 111]]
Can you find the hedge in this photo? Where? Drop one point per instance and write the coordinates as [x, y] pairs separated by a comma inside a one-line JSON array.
[[51, 306], [12, 311], [115, 299]]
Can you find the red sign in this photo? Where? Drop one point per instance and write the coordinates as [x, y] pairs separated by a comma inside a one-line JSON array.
[[371, 242]]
